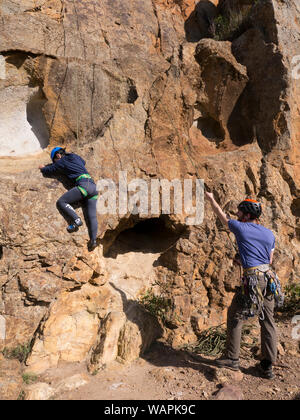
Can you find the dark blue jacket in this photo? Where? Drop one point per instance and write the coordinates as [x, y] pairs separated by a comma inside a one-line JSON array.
[[70, 165]]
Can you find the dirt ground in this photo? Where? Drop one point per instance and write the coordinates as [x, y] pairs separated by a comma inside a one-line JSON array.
[[164, 373]]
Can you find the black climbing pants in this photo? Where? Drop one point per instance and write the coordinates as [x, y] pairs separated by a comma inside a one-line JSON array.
[[85, 192]]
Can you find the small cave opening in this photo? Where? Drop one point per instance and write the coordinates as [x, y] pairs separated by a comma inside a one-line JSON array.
[[132, 93], [211, 129], [1, 252], [153, 236]]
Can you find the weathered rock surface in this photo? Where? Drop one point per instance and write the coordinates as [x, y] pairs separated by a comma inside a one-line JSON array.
[[129, 87], [227, 377], [39, 392], [229, 393], [42, 391], [10, 379]]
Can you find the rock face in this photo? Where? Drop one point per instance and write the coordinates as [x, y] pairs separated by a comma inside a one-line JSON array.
[[10, 379], [142, 88]]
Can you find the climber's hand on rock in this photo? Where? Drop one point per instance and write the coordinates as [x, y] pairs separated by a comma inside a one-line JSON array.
[[209, 195], [41, 166]]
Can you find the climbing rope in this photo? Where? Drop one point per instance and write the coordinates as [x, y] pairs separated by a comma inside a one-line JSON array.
[[77, 106]]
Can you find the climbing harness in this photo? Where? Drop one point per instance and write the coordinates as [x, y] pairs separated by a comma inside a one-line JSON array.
[[83, 191], [83, 176], [253, 294], [274, 287]]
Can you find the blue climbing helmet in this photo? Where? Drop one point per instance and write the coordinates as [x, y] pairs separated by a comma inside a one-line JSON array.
[[54, 151]]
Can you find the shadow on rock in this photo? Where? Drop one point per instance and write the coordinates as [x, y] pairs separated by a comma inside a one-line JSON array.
[[150, 236], [200, 23], [162, 355], [124, 334]]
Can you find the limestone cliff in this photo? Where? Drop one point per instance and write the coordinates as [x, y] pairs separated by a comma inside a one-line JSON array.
[[155, 89]]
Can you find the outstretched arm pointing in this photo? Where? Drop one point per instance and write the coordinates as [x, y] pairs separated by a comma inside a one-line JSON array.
[[217, 209]]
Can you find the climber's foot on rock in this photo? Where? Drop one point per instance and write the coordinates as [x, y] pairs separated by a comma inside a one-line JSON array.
[[74, 227], [92, 245]]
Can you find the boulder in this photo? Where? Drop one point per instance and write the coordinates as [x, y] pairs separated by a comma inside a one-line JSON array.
[[229, 393], [71, 383], [39, 392], [226, 377]]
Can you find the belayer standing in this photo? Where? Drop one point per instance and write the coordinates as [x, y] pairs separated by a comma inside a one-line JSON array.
[[260, 287], [73, 167]]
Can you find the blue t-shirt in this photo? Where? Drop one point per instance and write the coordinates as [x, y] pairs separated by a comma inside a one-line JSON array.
[[255, 242], [70, 165]]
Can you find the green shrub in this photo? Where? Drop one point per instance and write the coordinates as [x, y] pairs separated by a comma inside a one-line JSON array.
[[212, 342], [158, 306], [20, 352], [228, 26], [29, 378], [292, 298], [21, 396]]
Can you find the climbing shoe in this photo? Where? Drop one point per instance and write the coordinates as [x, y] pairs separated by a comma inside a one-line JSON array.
[[92, 245], [74, 227], [232, 364], [266, 370]]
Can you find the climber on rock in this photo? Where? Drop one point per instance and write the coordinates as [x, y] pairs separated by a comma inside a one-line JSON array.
[[84, 191], [260, 287]]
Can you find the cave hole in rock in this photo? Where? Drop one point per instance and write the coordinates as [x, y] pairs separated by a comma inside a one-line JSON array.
[[211, 129], [153, 236], [132, 94], [1, 252]]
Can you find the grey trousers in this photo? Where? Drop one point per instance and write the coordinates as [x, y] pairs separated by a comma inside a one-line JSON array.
[[89, 205], [268, 327]]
